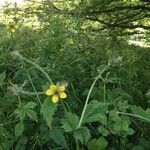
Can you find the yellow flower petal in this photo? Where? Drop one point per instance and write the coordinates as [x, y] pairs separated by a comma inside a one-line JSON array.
[[55, 98], [62, 95], [61, 88], [49, 92], [53, 87]]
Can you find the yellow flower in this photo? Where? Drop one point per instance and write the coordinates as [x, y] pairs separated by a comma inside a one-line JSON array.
[[11, 26], [57, 92]]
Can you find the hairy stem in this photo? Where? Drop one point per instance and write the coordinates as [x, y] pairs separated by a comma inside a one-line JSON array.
[[34, 64], [89, 93], [133, 115]]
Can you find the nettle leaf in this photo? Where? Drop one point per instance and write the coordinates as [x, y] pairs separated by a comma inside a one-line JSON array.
[[21, 113], [82, 134], [57, 135], [70, 122], [2, 77], [31, 114], [98, 144], [19, 128], [47, 110], [30, 105], [95, 112], [141, 113]]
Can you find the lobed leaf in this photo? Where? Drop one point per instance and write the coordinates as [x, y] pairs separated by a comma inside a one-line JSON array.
[[95, 112]]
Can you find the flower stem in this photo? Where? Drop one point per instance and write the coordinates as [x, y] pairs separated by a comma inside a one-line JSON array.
[[89, 93], [34, 64], [104, 92], [133, 115], [30, 93]]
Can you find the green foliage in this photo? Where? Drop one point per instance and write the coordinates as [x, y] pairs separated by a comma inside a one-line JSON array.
[[98, 144], [57, 135], [2, 77], [82, 134], [96, 111], [47, 110], [80, 44], [19, 128], [143, 114], [70, 122], [27, 110]]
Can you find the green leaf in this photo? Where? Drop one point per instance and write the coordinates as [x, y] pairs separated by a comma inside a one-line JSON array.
[[130, 131], [97, 144], [141, 113], [95, 112], [121, 125], [82, 134], [118, 94], [138, 147], [103, 131], [19, 128], [31, 114], [30, 105], [70, 122], [6, 145], [113, 80], [47, 110], [21, 143], [2, 77], [20, 113], [57, 135]]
